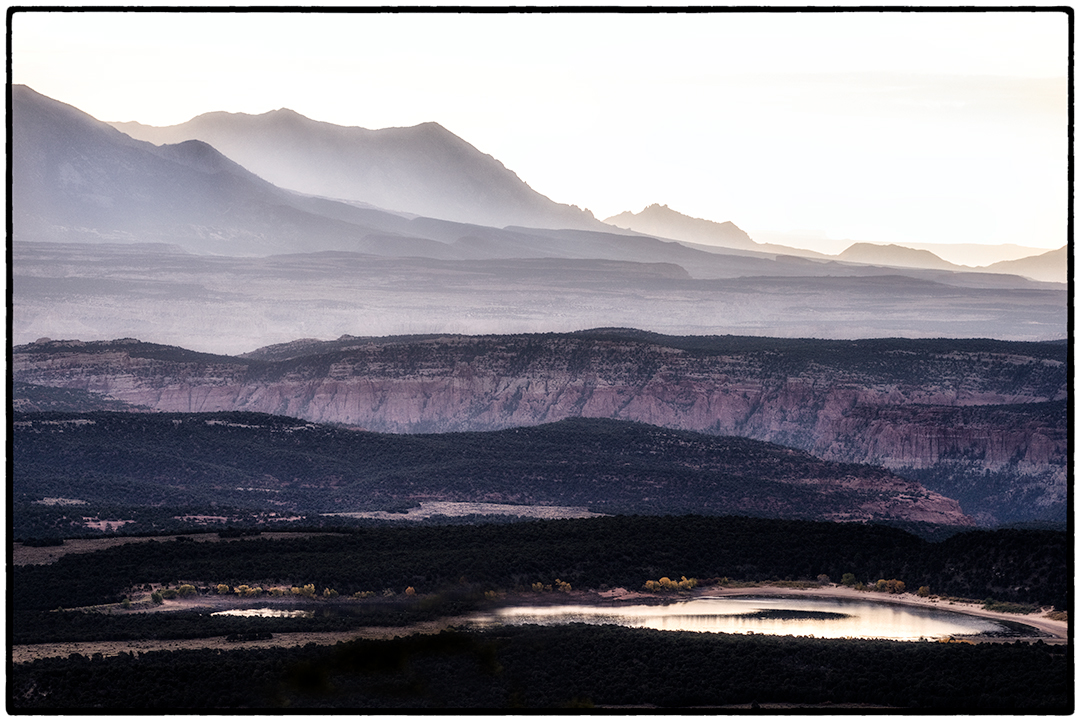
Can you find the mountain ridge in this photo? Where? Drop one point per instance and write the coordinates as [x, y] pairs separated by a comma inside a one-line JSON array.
[[423, 169], [1051, 266]]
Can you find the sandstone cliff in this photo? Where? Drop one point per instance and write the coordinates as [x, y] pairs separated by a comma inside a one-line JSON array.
[[897, 403]]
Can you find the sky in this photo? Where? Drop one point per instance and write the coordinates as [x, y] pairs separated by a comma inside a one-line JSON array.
[[889, 127]]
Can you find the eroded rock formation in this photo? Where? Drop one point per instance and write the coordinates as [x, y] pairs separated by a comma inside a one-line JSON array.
[[966, 408]]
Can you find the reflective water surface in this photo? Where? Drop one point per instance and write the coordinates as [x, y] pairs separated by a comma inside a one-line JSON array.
[[263, 613], [818, 617]]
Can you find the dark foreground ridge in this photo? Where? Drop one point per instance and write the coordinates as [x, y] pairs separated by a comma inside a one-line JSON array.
[[579, 667]]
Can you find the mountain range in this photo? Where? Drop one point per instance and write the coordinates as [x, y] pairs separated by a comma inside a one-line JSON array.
[[423, 170], [119, 237], [426, 170], [661, 221]]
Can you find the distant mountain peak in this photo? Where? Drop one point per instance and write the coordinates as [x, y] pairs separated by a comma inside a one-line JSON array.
[[660, 220], [896, 255]]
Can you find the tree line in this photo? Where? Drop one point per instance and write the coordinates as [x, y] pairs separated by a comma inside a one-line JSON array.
[[1023, 566]]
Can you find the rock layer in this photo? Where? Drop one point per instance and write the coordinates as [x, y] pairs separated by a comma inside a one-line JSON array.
[[977, 406]]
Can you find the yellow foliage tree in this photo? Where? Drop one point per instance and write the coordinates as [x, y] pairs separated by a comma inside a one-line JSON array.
[[666, 584]]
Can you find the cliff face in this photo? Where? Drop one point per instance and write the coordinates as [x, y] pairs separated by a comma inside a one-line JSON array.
[[973, 407]]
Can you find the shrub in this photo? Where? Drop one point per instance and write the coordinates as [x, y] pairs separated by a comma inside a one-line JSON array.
[[666, 584]]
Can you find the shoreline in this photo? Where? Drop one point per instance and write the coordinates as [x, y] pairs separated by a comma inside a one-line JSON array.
[[1058, 631]]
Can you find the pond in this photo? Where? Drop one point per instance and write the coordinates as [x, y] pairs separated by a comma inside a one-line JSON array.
[[772, 615]]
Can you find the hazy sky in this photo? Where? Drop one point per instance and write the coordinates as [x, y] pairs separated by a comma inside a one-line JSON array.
[[918, 127]]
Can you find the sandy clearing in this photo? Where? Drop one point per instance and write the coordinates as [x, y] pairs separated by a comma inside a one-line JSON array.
[[30, 555], [29, 652]]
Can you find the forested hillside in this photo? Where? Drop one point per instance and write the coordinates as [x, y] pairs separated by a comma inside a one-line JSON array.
[[287, 466]]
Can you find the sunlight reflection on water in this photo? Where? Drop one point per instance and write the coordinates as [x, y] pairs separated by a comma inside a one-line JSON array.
[[263, 613], [845, 619]]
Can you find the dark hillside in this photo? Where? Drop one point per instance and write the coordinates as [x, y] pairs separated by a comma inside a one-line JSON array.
[[249, 460]]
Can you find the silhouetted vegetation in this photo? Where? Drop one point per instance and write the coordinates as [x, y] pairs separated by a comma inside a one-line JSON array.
[[1010, 565], [562, 666]]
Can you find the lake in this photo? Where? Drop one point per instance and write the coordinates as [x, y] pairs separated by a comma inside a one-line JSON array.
[[771, 615]]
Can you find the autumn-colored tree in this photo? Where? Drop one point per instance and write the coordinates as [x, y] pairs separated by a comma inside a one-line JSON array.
[[666, 584], [891, 585]]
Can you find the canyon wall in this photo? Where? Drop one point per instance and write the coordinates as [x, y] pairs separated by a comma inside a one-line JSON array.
[[951, 413]]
